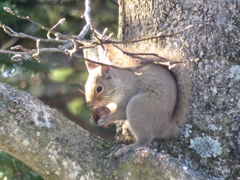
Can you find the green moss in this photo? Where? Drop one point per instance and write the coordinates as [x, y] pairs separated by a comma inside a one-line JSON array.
[[115, 172]]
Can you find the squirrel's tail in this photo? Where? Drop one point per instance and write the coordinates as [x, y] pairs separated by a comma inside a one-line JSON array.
[[180, 69], [183, 79]]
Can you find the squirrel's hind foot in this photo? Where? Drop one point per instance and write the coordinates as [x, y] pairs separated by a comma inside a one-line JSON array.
[[128, 148], [122, 151]]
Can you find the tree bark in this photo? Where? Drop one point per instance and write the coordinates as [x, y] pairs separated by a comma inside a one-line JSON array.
[[211, 138], [59, 149]]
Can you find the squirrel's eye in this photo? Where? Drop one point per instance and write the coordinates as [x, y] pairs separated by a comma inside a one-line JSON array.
[[99, 89]]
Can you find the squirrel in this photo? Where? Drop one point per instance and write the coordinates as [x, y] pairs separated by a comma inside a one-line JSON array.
[[152, 98]]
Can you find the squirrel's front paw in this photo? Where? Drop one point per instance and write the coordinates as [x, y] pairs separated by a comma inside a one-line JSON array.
[[93, 121], [104, 121]]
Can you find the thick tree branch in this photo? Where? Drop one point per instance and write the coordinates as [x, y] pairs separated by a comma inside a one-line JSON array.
[[59, 149]]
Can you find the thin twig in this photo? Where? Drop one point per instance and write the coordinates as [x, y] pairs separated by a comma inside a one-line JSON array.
[[137, 55], [104, 64], [71, 42], [74, 49], [87, 19], [11, 52], [160, 60], [49, 50], [9, 43], [49, 32], [145, 39], [27, 18], [33, 51], [36, 55], [13, 33], [19, 47]]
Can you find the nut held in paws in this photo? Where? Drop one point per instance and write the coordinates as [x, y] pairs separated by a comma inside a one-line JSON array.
[[99, 111]]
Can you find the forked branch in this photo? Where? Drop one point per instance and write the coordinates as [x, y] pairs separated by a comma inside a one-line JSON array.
[[70, 45]]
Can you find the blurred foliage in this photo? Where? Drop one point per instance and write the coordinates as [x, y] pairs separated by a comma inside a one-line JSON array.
[[61, 74], [10, 67], [11, 169], [56, 80], [75, 106]]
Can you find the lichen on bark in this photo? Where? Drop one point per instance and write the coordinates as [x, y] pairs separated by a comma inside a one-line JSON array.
[[212, 48]]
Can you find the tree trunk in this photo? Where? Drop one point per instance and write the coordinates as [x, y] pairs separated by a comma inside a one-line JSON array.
[[211, 140], [59, 149]]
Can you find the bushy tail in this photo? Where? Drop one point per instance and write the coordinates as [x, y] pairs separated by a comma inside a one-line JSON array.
[[179, 66], [182, 75], [180, 69]]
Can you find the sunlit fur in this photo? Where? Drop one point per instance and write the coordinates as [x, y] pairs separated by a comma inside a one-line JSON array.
[[146, 97]]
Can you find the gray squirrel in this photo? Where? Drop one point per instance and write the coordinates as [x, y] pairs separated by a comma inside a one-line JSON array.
[[152, 98]]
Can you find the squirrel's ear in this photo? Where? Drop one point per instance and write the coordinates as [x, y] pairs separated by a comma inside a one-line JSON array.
[[105, 69], [90, 65]]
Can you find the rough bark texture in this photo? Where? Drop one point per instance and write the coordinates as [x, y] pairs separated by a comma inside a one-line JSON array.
[[43, 139], [211, 139], [59, 149]]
